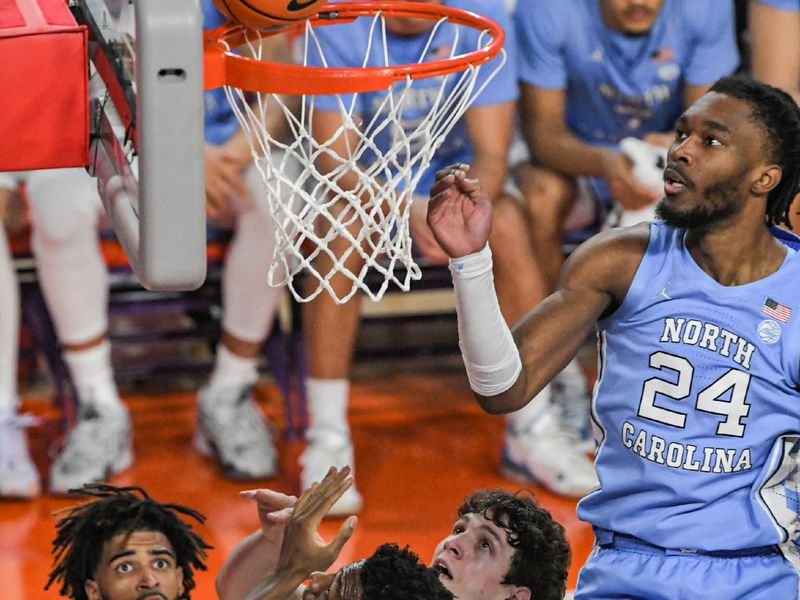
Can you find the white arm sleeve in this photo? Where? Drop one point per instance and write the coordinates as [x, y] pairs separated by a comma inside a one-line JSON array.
[[490, 355]]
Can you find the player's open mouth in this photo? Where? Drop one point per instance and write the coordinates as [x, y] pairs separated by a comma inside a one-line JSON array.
[[674, 183], [442, 569]]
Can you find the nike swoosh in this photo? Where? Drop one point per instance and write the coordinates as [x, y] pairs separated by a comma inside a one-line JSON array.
[[296, 5]]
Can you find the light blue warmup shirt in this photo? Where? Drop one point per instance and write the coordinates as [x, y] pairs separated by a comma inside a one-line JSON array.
[[782, 4], [698, 401], [621, 86], [345, 45]]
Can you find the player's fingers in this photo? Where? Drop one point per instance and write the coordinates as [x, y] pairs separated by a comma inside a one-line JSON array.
[[330, 491], [267, 497], [450, 170], [279, 516], [468, 186], [442, 184], [310, 499], [304, 499], [340, 539]]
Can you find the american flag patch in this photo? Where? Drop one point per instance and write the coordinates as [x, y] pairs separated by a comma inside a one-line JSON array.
[[776, 310]]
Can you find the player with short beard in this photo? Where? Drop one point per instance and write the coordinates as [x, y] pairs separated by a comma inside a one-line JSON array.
[[697, 432]]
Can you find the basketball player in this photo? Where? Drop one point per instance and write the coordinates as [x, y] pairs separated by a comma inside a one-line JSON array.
[[331, 328], [593, 73], [122, 544], [699, 371], [501, 546], [230, 424], [389, 573]]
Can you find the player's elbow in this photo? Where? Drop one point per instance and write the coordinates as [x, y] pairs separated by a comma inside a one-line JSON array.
[[502, 403]]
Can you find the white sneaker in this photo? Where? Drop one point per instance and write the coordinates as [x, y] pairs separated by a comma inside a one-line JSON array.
[[98, 446], [232, 429], [319, 456], [545, 454], [18, 475], [573, 406]]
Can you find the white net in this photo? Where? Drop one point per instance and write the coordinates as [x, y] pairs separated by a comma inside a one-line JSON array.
[[346, 215]]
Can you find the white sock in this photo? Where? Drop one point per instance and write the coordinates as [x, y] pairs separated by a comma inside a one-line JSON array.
[[327, 409], [525, 417], [232, 370], [92, 374]]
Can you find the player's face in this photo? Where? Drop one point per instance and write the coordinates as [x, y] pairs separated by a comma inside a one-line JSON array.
[[473, 560], [140, 566], [409, 26], [716, 156], [632, 17]]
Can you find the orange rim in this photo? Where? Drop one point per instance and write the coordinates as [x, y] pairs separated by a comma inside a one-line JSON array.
[[222, 67]]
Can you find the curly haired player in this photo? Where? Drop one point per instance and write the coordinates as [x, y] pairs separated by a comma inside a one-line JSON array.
[[122, 545]]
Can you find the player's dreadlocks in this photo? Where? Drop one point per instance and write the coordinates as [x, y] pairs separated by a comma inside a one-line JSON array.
[[779, 116], [82, 533]]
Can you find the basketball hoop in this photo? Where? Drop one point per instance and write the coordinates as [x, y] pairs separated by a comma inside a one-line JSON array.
[[375, 220]]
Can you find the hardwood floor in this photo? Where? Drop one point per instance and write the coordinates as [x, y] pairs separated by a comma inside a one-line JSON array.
[[422, 444]]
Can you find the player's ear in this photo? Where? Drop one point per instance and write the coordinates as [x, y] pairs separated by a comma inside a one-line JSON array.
[[520, 593], [92, 590], [768, 178]]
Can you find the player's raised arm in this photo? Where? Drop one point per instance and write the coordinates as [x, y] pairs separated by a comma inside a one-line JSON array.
[[505, 371]]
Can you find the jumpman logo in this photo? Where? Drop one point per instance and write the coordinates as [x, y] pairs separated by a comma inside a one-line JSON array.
[[663, 293]]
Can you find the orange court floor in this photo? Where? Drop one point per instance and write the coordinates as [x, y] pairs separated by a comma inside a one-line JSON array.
[[421, 445]]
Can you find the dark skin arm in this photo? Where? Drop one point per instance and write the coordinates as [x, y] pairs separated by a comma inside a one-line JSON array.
[[303, 551], [775, 46], [593, 284]]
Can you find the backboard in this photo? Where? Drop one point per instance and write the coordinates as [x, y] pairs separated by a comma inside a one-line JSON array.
[[137, 105], [147, 151]]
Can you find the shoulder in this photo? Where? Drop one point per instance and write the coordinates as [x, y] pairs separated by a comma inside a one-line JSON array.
[[696, 15], [488, 8], [551, 16], [608, 261]]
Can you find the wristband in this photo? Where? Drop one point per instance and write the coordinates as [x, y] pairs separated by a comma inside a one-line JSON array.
[[490, 355]]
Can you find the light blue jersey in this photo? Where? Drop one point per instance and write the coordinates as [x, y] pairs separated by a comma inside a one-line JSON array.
[[345, 45], [618, 85], [698, 401], [220, 120], [621, 86]]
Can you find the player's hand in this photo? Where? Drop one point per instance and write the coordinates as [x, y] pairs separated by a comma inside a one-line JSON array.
[[319, 585], [303, 549], [459, 213], [274, 510], [626, 191], [224, 181], [422, 235]]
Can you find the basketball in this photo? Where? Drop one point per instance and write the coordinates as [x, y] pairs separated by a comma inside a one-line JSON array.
[[261, 14]]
